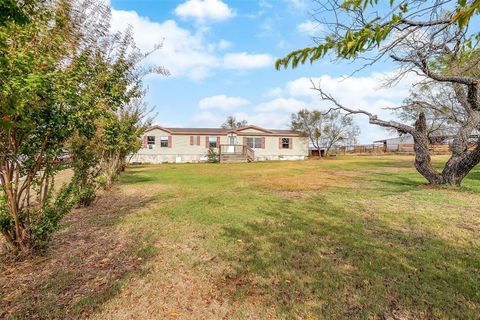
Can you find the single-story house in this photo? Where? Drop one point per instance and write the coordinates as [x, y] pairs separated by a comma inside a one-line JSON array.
[[250, 143]]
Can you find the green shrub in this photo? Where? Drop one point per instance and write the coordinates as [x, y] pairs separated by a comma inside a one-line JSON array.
[[213, 156]]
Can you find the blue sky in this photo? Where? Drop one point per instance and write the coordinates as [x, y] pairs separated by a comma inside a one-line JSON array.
[[221, 57]]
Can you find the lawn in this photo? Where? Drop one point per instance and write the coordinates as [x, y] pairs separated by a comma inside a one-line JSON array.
[[343, 238]]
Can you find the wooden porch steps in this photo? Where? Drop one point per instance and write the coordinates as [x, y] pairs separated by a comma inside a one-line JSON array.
[[233, 158], [231, 153]]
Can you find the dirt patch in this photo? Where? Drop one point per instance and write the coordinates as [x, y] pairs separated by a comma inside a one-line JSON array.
[[83, 266]]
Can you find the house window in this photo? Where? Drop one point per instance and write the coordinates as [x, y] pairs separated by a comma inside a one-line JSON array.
[[150, 142], [285, 143], [254, 142], [212, 142], [163, 142]]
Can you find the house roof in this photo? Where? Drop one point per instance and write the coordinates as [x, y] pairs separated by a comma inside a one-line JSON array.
[[222, 131]]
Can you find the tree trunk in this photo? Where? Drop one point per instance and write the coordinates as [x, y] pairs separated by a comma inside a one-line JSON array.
[[458, 167], [423, 161]]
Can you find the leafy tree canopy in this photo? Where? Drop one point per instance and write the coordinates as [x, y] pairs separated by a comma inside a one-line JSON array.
[[364, 32]]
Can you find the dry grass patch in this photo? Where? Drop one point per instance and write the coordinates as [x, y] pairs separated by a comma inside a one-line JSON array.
[[313, 181], [84, 265], [181, 283]]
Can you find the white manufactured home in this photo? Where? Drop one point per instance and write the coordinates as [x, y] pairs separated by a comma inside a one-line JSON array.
[[250, 143]]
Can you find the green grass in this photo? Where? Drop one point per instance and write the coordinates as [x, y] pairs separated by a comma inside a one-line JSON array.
[[341, 238], [352, 237]]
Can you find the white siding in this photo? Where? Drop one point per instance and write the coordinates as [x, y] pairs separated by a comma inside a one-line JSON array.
[[182, 151]]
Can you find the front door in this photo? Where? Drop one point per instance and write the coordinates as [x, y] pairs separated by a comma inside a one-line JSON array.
[[232, 141]]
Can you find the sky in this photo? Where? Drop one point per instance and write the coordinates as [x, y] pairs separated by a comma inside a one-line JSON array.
[[221, 57]]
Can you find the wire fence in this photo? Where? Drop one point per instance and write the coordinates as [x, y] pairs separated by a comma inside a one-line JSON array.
[[381, 148]]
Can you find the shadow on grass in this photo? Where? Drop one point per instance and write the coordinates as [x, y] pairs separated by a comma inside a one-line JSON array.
[[86, 264], [319, 260], [135, 177], [407, 181], [395, 183]]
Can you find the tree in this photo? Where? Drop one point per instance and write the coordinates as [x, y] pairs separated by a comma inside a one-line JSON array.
[[325, 130], [443, 113], [121, 137], [98, 160], [309, 123], [430, 38], [16, 11], [38, 91], [232, 123], [338, 128], [64, 79]]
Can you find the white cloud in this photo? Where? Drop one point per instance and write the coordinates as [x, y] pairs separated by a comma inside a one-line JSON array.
[[309, 27], [208, 119], [270, 120], [244, 61], [365, 92], [274, 92], [222, 102], [265, 4], [297, 4], [203, 10], [282, 104], [184, 53], [224, 44]]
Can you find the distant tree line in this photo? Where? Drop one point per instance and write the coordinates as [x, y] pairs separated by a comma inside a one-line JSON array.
[[67, 83]]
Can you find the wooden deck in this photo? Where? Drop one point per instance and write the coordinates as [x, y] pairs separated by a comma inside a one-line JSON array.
[[231, 153]]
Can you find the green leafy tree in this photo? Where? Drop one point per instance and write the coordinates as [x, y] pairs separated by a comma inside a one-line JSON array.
[[121, 138], [97, 161], [213, 156], [430, 38], [65, 82], [38, 116]]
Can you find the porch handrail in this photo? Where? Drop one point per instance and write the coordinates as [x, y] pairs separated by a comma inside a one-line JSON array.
[[249, 152], [226, 149]]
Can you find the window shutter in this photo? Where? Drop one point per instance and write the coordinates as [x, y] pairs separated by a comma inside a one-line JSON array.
[[169, 141], [244, 141], [218, 142], [191, 140], [198, 140], [290, 143], [144, 141], [206, 142], [279, 143]]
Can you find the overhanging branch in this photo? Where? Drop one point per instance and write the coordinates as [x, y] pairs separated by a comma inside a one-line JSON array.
[[373, 119]]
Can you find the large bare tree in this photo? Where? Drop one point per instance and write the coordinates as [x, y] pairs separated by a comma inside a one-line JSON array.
[[325, 130], [233, 123], [429, 38]]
